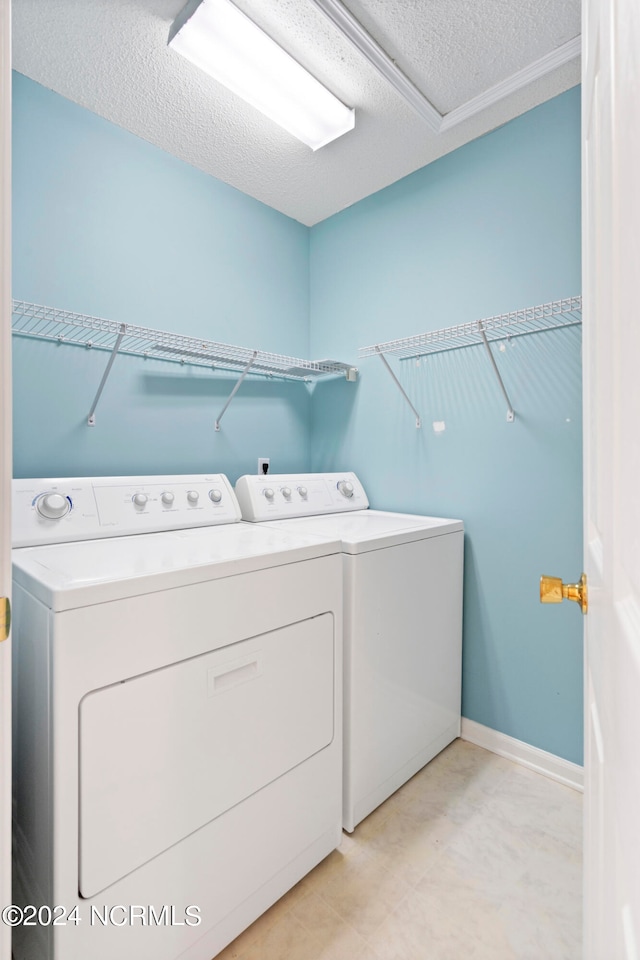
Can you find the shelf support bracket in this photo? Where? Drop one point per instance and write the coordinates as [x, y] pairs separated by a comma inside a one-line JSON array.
[[399, 386], [91, 419], [510, 411], [235, 389]]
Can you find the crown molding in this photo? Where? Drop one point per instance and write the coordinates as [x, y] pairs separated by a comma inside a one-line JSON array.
[[551, 61], [381, 61], [438, 123]]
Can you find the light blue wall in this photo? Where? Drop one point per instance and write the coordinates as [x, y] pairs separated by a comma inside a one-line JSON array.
[[106, 224], [492, 227]]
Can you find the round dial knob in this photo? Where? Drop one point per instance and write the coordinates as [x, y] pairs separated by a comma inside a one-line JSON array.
[[303, 492], [215, 495], [140, 499], [286, 493], [269, 494], [53, 506], [193, 496], [345, 488], [168, 498]]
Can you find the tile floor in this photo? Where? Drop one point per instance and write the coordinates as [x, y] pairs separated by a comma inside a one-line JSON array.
[[475, 858]]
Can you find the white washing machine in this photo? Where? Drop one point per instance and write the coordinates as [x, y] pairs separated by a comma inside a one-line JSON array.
[[177, 713], [402, 626]]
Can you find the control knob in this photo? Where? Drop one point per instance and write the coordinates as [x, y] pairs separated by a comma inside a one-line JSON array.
[[53, 506], [286, 493], [193, 496], [168, 498], [268, 493], [303, 492], [345, 488], [215, 495], [140, 499]]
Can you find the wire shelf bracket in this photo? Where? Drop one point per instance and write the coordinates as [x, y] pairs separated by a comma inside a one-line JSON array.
[[510, 411], [235, 389], [91, 419], [504, 326], [401, 389], [64, 326]]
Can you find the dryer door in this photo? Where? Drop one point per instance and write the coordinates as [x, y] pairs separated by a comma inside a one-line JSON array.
[[164, 753]]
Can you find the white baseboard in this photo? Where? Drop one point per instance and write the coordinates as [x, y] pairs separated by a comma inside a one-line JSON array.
[[570, 774]]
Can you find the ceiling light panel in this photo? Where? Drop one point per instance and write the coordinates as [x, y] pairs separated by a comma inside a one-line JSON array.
[[223, 42]]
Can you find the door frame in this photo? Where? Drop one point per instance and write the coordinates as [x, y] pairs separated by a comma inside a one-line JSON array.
[[6, 470]]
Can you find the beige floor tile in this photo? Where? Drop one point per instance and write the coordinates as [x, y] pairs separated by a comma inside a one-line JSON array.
[[331, 866], [259, 928], [364, 893], [470, 762], [524, 795], [285, 940], [406, 846], [475, 858], [457, 783], [536, 932], [554, 882], [329, 937], [491, 855], [370, 953], [443, 925], [461, 905]]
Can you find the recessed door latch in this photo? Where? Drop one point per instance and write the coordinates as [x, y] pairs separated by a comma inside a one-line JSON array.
[[5, 618]]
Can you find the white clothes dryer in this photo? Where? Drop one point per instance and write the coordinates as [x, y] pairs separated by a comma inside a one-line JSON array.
[[402, 624], [178, 741]]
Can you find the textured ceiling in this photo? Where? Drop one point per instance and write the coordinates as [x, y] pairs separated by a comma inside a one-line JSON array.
[[111, 56]]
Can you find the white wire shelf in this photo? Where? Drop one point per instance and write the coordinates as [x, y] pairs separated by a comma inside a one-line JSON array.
[[64, 326], [503, 326], [34, 320], [547, 316]]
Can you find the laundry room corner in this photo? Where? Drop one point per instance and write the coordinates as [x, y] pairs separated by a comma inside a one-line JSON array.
[[492, 227], [107, 225]]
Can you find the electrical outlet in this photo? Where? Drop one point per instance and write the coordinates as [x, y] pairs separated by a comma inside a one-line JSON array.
[[263, 466]]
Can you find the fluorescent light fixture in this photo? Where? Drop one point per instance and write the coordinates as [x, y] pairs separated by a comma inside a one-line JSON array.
[[219, 39]]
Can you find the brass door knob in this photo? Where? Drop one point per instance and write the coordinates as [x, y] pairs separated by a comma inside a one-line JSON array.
[[553, 590]]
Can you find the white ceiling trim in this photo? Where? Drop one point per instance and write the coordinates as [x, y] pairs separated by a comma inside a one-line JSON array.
[[350, 28], [556, 58], [373, 52]]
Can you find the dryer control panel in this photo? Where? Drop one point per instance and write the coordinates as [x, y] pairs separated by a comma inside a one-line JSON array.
[[286, 495], [89, 508]]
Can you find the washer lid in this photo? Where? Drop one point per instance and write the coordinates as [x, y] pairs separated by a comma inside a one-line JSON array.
[[366, 530], [69, 575]]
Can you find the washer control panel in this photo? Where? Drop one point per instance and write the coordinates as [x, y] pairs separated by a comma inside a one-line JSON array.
[[279, 497], [89, 508]]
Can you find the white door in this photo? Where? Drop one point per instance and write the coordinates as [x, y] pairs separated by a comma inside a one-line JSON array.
[[5, 466], [611, 289]]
